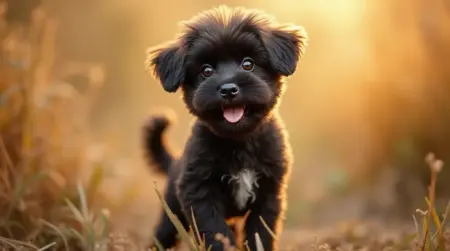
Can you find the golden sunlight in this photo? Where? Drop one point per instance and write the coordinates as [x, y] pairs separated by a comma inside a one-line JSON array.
[[368, 101]]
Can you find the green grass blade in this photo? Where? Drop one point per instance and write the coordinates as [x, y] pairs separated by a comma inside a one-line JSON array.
[[21, 188], [79, 236], [78, 215], [83, 201], [56, 229], [105, 226], [94, 183]]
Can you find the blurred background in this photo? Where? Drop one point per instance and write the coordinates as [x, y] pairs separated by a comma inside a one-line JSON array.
[[369, 100]]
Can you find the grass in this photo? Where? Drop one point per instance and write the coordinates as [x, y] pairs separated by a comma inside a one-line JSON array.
[[43, 203], [431, 231]]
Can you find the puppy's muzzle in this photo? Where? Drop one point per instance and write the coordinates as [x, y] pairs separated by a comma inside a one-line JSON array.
[[229, 91]]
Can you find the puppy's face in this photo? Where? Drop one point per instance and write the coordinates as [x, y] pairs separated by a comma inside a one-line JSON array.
[[230, 64]]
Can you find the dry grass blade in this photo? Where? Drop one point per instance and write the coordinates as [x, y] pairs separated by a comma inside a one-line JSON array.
[[94, 183], [56, 229], [104, 218], [8, 243], [88, 224], [47, 246], [21, 188], [439, 233], [435, 166], [84, 218], [17, 245], [78, 235], [35, 132], [83, 201], [246, 246], [5, 155], [434, 214], [425, 231], [178, 225], [441, 228], [416, 224], [78, 215], [268, 228], [158, 244], [446, 214], [196, 232], [406, 240], [259, 245]]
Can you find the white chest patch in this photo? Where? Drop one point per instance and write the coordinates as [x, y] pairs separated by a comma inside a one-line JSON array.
[[243, 189]]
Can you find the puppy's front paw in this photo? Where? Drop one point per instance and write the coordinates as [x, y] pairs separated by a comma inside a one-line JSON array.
[[219, 242]]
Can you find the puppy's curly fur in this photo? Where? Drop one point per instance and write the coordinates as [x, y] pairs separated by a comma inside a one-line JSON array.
[[230, 64]]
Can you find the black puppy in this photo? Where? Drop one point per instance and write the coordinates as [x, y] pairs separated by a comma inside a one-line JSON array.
[[230, 65]]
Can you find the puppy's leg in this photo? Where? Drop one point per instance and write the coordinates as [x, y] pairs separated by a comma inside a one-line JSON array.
[[271, 210], [205, 202], [166, 232], [210, 221]]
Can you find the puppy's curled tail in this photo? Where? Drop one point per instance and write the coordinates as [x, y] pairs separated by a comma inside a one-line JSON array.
[[158, 156]]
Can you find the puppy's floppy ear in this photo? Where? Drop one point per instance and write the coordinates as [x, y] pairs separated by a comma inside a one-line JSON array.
[[286, 45], [167, 64]]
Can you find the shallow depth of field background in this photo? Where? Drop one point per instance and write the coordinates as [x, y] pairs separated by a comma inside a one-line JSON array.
[[369, 100]]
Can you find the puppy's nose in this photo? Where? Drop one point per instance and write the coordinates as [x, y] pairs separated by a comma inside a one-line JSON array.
[[229, 91]]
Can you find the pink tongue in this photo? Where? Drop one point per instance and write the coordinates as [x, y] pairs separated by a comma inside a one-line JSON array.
[[234, 114]]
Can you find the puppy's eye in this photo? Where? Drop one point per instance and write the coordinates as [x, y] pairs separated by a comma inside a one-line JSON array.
[[248, 64], [207, 71]]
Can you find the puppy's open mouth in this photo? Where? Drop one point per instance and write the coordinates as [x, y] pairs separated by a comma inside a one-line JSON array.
[[233, 114]]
